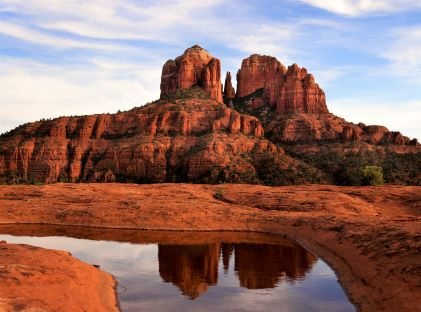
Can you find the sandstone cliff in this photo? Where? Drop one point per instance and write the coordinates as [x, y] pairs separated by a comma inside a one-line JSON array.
[[196, 67], [189, 135], [292, 106], [184, 140], [229, 92], [291, 90]]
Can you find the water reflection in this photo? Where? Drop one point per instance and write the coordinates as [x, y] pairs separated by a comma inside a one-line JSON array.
[[265, 266], [225, 271], [193, 268]]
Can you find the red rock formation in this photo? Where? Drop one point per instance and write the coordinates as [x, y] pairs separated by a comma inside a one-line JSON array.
[[229, 92], [183, 140], [328, 127], [291, 91], [292, 106], [260, 72], [191, 138], [300, 93], [196, 67]]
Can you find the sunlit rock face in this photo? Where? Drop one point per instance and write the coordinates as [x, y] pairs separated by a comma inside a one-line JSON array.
[[190, 135], [195, 67], [165, 141], [192, 268], [292, 107], [291, 90]]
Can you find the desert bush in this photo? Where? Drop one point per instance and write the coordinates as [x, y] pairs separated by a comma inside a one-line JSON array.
[[275, 170], [219, 195], [372, 175], [190, 93], [345, 169]]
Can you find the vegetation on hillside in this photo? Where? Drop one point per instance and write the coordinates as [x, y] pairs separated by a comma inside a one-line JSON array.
[[348, 168], [191, 93]]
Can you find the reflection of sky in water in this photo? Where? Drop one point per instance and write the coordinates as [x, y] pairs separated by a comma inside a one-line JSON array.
[[136, 268]]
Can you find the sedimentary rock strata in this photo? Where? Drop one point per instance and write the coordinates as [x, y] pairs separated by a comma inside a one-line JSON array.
[[190, 135], [196, 67]]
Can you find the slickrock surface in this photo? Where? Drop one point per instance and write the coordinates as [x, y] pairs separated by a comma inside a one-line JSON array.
[[37, 279], [196, 67], [370, 235]]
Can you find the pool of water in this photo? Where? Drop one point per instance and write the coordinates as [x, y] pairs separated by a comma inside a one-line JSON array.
[[191, 271]]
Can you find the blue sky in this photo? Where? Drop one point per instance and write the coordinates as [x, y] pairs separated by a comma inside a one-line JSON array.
[[71, 57]]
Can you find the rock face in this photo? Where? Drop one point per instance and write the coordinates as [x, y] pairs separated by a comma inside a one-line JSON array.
[[184, 140], [189, 135], [229, 92], [196, 67], [300, 93], [260, 72], [292, 106], [290, 90]]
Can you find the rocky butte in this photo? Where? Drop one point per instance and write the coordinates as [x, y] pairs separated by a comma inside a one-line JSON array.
[[196, 67], [274, 129]]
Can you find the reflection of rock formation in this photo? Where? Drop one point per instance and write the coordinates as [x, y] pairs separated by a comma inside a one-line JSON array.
[[226, 250], [190, 267], [193, 268], [264, 265]]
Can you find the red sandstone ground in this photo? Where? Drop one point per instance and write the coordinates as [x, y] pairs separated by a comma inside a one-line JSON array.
[[36, 279], [370, 235]]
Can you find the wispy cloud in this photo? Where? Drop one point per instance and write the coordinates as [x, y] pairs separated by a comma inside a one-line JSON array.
[[78, 57], [356, 8], [112, 19], [38, 90], [40, 38], [404, 53]]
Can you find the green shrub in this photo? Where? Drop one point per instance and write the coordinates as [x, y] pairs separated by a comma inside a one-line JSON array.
[[194, 92], [219, 195], [345, 169], [372, 175]]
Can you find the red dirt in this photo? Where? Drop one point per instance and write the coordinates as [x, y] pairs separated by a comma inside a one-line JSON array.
[[370, 235]]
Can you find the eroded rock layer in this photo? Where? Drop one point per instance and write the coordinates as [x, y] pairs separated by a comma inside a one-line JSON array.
[[291, 90], [229, 92], [196, 67], [292, 107], [184, 140], [189, 135]]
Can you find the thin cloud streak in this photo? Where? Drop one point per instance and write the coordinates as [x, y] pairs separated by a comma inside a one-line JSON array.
[[109, 43], [38, 38], [404, 54], [356, 8], [37, 90]]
